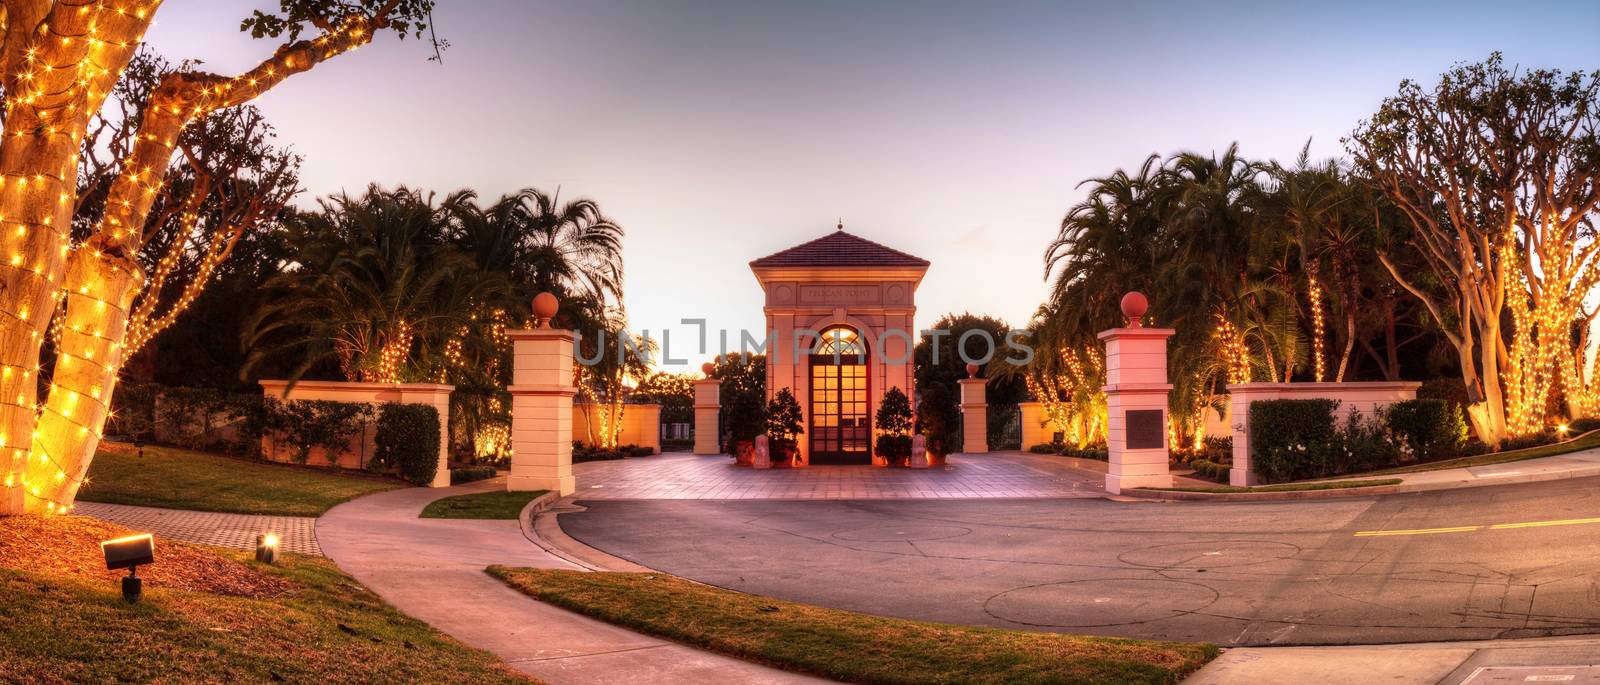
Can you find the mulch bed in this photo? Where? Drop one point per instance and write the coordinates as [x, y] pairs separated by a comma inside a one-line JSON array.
[[70, 546]]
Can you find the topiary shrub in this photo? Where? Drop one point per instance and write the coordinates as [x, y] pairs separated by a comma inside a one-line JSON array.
[[1427, 428], [1282, 433], [894, 419], [1211, 470], [407, 440], [784, 426]]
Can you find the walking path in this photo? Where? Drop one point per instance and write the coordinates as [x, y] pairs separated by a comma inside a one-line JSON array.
[[238, 531], [432, 569]]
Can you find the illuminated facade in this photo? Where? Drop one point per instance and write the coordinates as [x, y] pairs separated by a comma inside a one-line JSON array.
[[840, 330]]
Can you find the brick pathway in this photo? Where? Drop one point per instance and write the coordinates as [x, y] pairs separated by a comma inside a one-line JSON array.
[[678, 475], [298, 533]]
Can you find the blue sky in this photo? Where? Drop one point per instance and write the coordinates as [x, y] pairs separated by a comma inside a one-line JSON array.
[[718, 132]]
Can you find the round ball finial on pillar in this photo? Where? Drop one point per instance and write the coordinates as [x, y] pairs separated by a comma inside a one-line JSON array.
[[706, 369], [1134, 306], [972, 371], [544, 309]]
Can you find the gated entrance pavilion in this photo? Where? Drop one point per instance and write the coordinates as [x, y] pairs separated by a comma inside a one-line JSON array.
[[840, 328]]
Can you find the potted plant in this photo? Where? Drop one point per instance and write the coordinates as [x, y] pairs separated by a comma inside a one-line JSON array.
[[939, 421], [894, 419], [783, 428], [746, 419]]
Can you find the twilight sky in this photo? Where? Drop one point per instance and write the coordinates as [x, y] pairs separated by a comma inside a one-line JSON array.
[[718, 132]]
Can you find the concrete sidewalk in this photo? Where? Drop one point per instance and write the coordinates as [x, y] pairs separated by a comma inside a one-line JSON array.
[[1550, 660], [432, 569]]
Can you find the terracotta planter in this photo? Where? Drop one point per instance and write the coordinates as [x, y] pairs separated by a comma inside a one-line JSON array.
[[744, 453], [935, 460], [879, 461]]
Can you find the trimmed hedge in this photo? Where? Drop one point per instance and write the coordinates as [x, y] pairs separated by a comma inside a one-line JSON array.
[[468, 474], [407, 439], [1427, 428], [1283, 433]]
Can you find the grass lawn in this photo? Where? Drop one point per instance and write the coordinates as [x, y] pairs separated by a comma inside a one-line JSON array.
[[208, 616], [481, 505], [1586, 441], [1291, 487], [185, 479], [848, 646]]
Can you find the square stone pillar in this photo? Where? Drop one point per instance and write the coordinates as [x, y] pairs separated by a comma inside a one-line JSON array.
[[541, 411], [707, 402], [1136, 399], [974, 416]]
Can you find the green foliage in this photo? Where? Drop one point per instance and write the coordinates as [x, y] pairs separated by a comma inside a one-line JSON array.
[[468, 474], [939, 418], [743, 394], [673, 391], [407, 440], [1211, 470], [308, 424], [1283, 433], [296, 16], [784, 423], [1427, 428], [894, 412]]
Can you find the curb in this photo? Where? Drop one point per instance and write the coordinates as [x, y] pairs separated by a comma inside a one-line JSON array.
[[539, 526], [1371, 491]]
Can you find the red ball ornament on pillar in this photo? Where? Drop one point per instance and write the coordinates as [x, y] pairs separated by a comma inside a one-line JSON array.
[[544, 309], [707, 368], [1134, 306], [972, 371]]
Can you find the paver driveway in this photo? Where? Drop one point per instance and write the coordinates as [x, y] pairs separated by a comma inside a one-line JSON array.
[[677, 475]]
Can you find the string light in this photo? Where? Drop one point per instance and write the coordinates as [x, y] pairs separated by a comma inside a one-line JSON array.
[[1318, 328]]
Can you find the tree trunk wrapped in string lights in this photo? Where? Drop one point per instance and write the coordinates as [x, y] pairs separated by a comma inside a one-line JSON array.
[[58, 63]]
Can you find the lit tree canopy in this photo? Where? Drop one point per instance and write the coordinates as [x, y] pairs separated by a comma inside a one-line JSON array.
[[59, 62]]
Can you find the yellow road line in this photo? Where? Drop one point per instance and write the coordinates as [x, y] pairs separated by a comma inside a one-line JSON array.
[[1419, 531], [1469, 529], [1535, 524]]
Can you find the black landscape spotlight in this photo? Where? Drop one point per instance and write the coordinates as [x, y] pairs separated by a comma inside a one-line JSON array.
[[129, 553]]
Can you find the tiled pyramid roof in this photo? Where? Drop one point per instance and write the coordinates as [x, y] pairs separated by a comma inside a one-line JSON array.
[[839, 249]]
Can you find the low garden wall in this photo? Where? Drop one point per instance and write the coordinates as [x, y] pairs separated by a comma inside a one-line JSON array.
[[641, 424], [1365, 398], [361, 447], [1037, 428]]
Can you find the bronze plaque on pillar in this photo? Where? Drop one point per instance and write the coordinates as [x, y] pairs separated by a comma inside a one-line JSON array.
[[1145, 431]]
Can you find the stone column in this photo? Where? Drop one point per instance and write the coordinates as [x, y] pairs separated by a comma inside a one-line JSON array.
[[1136, 397], [541, 405], [974, 413], [707, 402]]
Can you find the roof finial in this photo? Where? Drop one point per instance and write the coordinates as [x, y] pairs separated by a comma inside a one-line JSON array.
[[841, 223]]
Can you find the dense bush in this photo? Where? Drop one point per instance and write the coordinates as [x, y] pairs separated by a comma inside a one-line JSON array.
[[407, 440], [467, 474], [1096, 452], [636, 451], [1427, 428], [784, 426], [894, 418], [939, 418], [307, 424], [1282, 433], [1583, 425], [1211, 470], [1360, 444]]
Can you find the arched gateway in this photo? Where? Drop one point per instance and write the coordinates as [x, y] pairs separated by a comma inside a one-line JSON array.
[[840, 333]]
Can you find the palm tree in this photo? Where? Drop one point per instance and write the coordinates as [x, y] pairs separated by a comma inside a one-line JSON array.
[[374, 288], [571, 249]]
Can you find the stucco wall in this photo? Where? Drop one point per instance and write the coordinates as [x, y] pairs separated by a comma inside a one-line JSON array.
[[641, 424], [360, 448], [1365, 398]]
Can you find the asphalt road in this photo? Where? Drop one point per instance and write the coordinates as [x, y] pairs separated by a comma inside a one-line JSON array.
[[1351, 571]]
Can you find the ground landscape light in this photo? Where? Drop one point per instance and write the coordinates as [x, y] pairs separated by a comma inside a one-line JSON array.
[[267, 548], [129, 553]]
